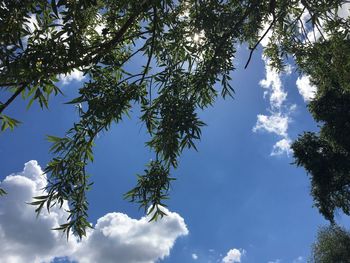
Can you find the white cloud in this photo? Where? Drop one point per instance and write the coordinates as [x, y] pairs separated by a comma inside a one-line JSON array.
[[305, 88], [282, 147], [117, 236], [234, 255], [275, 123], [194, 256], [273, 84], [24, 238], [344, 10], [76, 75], [278, 120], [275, 261]]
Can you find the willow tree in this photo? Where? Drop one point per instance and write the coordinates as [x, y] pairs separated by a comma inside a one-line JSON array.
[[187, 49]]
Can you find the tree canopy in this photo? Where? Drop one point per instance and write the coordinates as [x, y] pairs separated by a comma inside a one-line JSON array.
[[332, 245], [187, 49]]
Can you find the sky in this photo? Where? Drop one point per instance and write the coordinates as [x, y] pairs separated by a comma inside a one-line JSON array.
[[238, 199]]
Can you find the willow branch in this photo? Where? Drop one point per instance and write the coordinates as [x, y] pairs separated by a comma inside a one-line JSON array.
[[259, 41]]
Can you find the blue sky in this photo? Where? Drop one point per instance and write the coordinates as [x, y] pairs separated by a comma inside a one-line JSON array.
[[233, 201]]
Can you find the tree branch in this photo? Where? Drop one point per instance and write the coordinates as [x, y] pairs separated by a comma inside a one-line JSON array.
[[257, 43], [12, 98]]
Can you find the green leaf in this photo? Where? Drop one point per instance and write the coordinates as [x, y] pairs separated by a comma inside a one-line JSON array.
[[76, 100], [54, 8], [2, 192], [8, 122]]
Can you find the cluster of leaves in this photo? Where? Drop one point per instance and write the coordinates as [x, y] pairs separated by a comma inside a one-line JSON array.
[[332, 245], [151, 189], [186, 49]]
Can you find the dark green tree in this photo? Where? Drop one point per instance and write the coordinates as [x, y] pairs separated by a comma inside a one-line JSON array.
[[187, 48], [332, 246], [326, 154]]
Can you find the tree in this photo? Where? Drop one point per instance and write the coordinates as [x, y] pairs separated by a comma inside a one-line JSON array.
[[187, 47], [332, 245], [326, 154]]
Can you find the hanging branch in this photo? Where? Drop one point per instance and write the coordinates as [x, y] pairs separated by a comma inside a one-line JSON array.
[[257, 43]]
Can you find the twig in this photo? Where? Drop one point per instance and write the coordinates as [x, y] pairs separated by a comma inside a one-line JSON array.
[[8, 102], [257, 43], [304, 31]]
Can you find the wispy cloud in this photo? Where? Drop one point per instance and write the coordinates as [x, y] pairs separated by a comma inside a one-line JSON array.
[[273, 85], [25, 238], [278, 119]]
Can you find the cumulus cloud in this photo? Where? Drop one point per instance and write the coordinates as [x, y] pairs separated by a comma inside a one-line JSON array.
[[194, 256], [234, 255], [117, 236], [305, 88], [25, 238], [75, 75], [275, 261]]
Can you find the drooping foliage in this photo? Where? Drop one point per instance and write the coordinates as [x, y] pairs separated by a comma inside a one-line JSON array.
[[187, 49]]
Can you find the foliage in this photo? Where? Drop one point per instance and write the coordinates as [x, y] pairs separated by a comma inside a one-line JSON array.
[[332, 245], [187, 50], [151, 189]]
